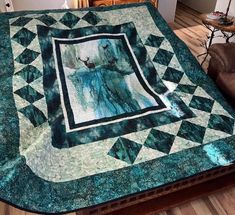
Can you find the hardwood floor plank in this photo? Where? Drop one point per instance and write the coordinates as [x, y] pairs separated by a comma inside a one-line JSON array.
[[187, 209], [227, 202], [16, 211], [4, 209], [174, 211], [201, 207], [213, 201]]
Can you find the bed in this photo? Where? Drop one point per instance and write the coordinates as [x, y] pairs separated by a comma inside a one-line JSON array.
[[103, 108]]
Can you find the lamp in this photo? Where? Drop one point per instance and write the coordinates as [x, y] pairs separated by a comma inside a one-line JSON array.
[[225, 20]]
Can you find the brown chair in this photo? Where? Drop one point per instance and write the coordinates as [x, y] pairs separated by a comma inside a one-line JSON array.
[[222, 68]]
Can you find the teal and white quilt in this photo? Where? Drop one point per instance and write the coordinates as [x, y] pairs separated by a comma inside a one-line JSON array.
[[102, 103]]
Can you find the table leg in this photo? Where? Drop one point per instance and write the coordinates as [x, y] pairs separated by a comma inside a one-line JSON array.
[[211, 37], [227, 36]]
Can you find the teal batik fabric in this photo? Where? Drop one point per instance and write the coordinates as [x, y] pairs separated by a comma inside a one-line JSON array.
[[102, 103]]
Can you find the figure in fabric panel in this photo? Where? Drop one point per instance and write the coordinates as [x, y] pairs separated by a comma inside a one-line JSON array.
[[101, 74]]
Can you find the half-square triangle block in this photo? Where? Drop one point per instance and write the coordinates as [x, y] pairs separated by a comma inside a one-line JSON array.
[[191, 131], [125, 150], [160, 141], [154, 41], [163, 57], [69, 20], [221, 123], [24, 37]]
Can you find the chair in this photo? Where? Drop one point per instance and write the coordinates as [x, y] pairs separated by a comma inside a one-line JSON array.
[[222, 68]]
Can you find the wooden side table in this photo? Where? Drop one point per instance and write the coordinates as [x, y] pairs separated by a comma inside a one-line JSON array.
[[214, 26]]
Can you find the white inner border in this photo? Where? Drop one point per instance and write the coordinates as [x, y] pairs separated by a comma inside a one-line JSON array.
[[68, 129]]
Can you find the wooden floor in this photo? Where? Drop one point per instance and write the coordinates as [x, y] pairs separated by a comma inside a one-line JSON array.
[[187, 26]]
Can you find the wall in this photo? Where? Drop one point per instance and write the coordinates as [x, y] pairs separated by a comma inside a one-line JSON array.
[[40, 5], [167, 9], [203, 6], [222, 6], [2, 5]]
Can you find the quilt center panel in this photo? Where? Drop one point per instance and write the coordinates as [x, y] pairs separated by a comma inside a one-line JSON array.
[[103, 83]]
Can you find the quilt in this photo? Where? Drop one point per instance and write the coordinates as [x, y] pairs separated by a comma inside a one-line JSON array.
[[102, 103]]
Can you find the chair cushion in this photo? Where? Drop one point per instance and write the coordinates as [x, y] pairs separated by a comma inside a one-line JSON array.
[[224, 56], [226, 82]]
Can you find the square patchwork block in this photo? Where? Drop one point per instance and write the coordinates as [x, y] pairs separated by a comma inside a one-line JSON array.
[[92, 18], [191, 132], [163, 57], [172, 75], [202, 103], [125, 150], [69, 19], [24, 37], [186, 88], [221, 123], [160, 141], [47, 20], [154, 41]]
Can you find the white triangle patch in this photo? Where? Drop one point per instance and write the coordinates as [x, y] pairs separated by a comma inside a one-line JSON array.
[[20, 102], [138, 137], [185, 97], [175, 64], [18, 82], [185, 80], [170, 85], [202, 93], [161, 69], [213, 135], [172, 128], [42, 106], [182, 144], [218, 109], [38, 85], [166, 46], [147, 154], [202, 118]]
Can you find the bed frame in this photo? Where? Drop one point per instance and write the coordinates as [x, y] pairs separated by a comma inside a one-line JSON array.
[[171, 195]]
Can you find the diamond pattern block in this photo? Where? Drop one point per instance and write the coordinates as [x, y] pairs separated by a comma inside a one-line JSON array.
[[163, 57], [29, 94], [186, 88], [24, 37], [125, 150], [29, 73], [35, 116], [27, 56], [21, 21], [191, 131], [69, 20], [172, 75], [160, 141], [201, 103], [92, 18], [47, 20], [154, 41], [221, 123]]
